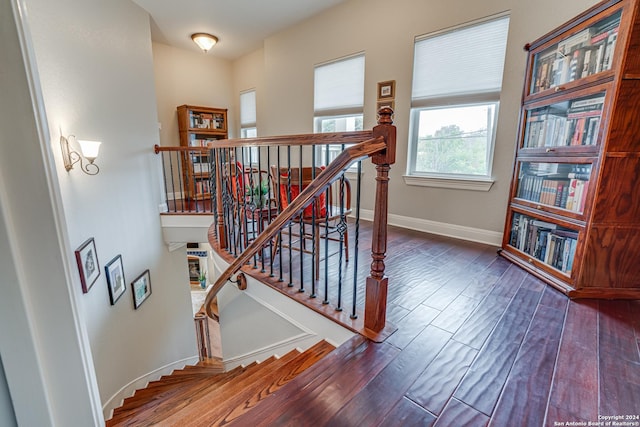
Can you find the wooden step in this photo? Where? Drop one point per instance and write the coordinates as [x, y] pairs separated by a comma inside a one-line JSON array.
[[157, 391], [242, 396], [155, 410], [195, 396]]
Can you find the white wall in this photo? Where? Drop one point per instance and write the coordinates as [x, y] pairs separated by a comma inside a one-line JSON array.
[[192, 78], [96, 71], [44, 348], [385, 31], [248, 73]]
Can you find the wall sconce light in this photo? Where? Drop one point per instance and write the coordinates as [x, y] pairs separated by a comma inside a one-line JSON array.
[[89, 150], [204, 41]]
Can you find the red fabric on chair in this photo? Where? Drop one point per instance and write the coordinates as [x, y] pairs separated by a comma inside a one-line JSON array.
[[290, 192]]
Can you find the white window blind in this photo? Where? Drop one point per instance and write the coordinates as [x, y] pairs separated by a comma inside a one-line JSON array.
[[339, 86], [248, 109], [466, 60]]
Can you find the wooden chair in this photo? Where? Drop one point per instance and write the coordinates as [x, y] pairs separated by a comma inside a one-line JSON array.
[[246, 186], [326, 213]]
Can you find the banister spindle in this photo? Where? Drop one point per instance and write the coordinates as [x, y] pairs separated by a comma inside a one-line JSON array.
[[219, 207], [376, 286]]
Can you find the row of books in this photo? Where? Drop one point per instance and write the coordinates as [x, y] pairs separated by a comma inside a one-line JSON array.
[[569, 194], [578, 125], [544, 241], [587, 52], [206, 120]]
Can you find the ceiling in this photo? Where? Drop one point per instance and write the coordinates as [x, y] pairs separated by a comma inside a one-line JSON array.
[[240, 25]]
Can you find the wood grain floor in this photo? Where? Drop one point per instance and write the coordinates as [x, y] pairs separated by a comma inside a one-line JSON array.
[[479, 342]]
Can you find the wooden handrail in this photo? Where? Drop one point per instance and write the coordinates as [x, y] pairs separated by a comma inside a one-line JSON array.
[[318, 185], [303, 140], [158, 149]]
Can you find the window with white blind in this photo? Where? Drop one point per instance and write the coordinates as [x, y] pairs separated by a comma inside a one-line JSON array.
[[457, 79], [338, 100], [248, 127]]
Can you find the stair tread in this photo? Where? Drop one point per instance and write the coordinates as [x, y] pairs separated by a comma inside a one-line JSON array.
[[149, 413], [154, 393], [192, 395], [343, 356], [243, 395]]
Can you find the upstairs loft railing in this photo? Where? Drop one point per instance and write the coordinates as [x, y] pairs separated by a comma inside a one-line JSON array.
[[296, 226]]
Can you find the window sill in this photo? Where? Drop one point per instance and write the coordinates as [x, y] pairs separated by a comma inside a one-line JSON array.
[[455, 182]]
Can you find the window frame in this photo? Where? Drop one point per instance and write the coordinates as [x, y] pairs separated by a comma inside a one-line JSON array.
[[338, 112], [479, 182]]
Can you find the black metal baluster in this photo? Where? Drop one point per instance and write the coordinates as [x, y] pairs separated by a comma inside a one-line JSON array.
[[279, 202], [326, 235], [185, 194], [269, 199], [354, 314], [315, 206], [290, 284], [302, 228]]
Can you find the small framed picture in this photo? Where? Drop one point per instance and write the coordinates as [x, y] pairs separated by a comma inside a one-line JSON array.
[[141, 288], [387, 90], [87, 260], [115, 279], [382, 104]]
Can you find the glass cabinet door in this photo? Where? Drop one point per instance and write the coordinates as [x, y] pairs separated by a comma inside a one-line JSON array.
[[545, 241], [562, 185], [569, 123], [584, 53]]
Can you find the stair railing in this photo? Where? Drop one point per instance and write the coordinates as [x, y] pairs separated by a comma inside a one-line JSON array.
[[377, 144], [186, 170]]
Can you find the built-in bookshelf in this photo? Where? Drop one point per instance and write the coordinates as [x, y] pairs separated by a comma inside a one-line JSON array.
[[574, 210], [198, 126]]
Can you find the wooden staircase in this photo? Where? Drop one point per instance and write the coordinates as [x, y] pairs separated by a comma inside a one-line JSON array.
[[204, 395]]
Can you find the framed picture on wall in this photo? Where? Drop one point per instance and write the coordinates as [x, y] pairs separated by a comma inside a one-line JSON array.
[[87, 260], [387, 90], [115, 279], [141, 288]]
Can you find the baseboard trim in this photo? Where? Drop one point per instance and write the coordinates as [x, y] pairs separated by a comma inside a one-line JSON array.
[[299, 342], [116, 400], [440, 228]]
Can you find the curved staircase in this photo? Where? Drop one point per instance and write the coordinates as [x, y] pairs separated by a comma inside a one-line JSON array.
[[205, 395]]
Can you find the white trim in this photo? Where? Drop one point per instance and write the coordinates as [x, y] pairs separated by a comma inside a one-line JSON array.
[[298, 342], [186, 220], [176, 195], [141, 382], [453, 182], [173, 246], [42, 127], [441, 228]]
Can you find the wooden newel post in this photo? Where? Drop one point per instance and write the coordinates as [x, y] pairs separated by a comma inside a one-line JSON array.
[[376, 286]]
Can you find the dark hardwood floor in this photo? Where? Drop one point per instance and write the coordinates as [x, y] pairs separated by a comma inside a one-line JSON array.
[[479, 342]]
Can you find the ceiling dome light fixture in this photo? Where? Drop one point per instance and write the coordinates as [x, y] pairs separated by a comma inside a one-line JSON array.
[[204, 40]]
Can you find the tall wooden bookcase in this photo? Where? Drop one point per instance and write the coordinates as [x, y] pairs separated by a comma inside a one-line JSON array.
[[574, 210], [197, 127]]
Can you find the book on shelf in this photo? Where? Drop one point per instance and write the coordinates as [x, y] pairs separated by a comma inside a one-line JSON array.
[[544, 241], [587, 52], [583, 118]]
